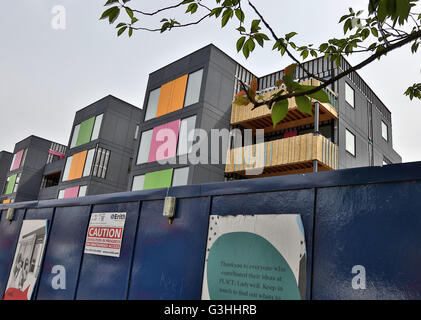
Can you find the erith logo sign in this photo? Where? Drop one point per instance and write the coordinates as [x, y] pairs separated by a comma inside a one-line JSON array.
[[105, 234]]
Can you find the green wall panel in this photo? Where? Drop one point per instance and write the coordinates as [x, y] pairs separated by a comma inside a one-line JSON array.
[[11, 184], [85, 131], [158, 179]]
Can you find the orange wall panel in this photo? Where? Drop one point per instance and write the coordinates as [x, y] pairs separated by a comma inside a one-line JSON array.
[[78, 162], [164, 98], [172, 95], [179, 91]]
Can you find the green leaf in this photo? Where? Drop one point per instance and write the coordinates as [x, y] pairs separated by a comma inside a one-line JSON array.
[[240, 14], [279, 111], [121, 30], [110, 2], [111, 13], [290, 35], [250, 44], [240, 43], [129, 12], [320, 96], [242, 101], [227, 15], [259, 39], [255, 26], [246, 51], [304, 105]]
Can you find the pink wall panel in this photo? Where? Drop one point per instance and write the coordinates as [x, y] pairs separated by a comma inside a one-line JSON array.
[[71, 192], [164, 141], [60, 155], [18, 160]]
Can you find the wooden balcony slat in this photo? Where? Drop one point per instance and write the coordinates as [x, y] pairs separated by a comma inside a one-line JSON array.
[[295, 153]]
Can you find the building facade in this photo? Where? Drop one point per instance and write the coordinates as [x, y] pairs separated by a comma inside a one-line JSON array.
[[35, 160], [100, 149], [193, 92], [197, 91], [115, 146]]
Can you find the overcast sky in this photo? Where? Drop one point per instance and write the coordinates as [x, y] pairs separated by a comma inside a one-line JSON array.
[[46, 75]]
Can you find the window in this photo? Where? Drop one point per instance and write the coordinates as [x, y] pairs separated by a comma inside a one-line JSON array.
[[152, 106], [50, 180], [350, 142], [180, 177], [86, 131], [138, 183], [15, 189], [82, 191], [385, 133], [145, 145], [101, 163], [184, 142], [136, 133], [67, 168], [349, 95], [75, 135], [97, 127], [88, 164], [193, 88], [61, 194]]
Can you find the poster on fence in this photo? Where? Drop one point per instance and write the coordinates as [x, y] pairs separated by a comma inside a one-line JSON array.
[[255, 257], [105, 234], [27, 261]]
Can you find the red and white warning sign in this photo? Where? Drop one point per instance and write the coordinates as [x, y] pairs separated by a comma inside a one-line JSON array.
[[105, 233]]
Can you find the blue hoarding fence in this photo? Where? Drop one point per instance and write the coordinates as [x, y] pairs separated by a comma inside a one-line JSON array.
[[364, 217]]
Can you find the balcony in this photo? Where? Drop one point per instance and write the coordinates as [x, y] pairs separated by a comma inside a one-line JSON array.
[[283, 156], [260, 118]]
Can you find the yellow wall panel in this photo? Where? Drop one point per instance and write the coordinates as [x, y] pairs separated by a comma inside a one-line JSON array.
[[78, 164]]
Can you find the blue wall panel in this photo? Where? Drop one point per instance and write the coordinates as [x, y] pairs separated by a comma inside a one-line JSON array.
[[169, 259], [365, 216], [9, 235], [66, 249], [375, 226], [107, 278], [285, 202]]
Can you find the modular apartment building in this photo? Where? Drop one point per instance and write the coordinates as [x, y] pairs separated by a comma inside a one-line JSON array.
[[100, 149], [197, 91], [115, 146], [36, 165]]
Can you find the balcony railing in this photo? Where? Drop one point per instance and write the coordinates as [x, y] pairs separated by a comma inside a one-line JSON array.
[[284, 156], [260, 118]]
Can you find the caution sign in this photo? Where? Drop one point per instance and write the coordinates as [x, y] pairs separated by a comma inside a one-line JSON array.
[[105, 234]]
